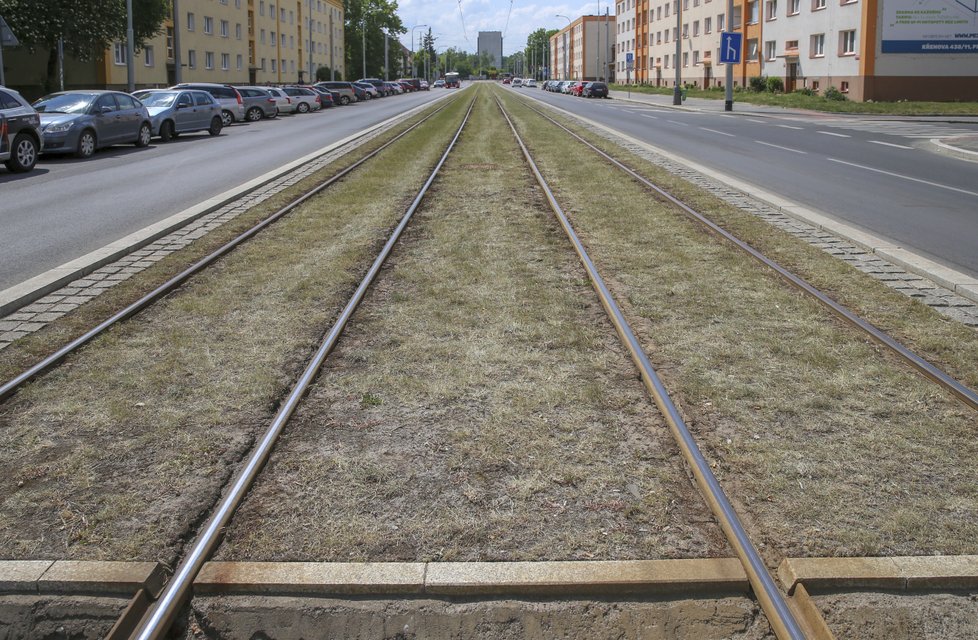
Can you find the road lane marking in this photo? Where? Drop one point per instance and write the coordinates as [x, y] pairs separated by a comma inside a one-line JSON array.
[[910, 178], [722, 133], [890, 144], [645, 115], [832, 133], [788, 126], [776, 146], [681, 124]]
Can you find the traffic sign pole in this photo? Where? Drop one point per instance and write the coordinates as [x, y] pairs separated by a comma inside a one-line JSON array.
[[730, 47], [728, 82]]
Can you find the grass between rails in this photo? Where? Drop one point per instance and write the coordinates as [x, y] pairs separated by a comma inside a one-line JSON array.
[[820, 103], [829, 446], [479, 406], [118, 453]]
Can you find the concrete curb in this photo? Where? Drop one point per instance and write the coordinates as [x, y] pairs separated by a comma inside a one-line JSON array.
[[37, 287], [900, 573], [659, 577], [962, 284], [81, 576]]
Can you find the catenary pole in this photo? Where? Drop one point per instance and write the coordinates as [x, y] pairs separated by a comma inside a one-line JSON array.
[[677, 97], [728, 82], [130, 50]]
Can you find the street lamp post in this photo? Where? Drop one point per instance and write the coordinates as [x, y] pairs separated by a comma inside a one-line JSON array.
[[130, 50], [414, 69], [565, 44]]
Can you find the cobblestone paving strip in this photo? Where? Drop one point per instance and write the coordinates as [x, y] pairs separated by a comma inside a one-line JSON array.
[[943, 300], [36, 315]]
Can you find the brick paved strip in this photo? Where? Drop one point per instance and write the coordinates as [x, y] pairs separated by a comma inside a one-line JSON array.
[[81, 577], [902, 573], [663, 577]]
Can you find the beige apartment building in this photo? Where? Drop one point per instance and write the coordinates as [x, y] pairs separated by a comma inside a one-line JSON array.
[[225, 41], [584, 49]]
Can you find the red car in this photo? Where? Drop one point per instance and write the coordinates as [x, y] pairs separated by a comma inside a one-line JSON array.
[[506, 81], [577, 89]]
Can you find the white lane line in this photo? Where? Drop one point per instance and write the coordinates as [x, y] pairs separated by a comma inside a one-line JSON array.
[[832, 133], [722, 133], [768, 144], [910, 178], [645, 115], [890, 144], [788, 126], [681, 124]]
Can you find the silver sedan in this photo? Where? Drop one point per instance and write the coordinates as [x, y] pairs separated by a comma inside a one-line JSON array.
[[80, 122]]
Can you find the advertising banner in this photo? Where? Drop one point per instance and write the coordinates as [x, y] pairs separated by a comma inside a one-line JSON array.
[[930, 26]]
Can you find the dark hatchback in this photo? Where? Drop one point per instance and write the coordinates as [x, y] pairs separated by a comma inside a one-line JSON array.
[[595, 90]]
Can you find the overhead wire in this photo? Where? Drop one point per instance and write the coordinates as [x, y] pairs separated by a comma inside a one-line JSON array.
[[465, 33], [508, 14]]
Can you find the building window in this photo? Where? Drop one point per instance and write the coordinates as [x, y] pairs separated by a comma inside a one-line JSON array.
[[696, 28], [225, 61], [847, 43], [261, 36], [225, 29], [261, 12], [191, 23], [685, 30], [794, 7], [208, 59], [818, 4], [696, 57], [770, 49], [273, 65], [818, 45], [844, 86], [192, 58], [791, 45], [169, 43], [239, 62], [262, 67], [772, 9], [119, 53], [237, 31], [752, 50], [720, 19], [752, 12], [208, 25], [707, 25], [815, 85], [149, 59]]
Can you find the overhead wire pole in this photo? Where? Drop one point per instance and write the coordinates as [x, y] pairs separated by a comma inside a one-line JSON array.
[[312, 77], [414, 67], [130, 50], [677, 97]]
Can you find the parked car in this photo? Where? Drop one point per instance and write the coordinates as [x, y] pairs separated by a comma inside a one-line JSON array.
[[82, 121], [20, 133], [517, 82], [530, 83], [370, 90], [345, 90], [424, 85], [232, 104], [325, 95], [381, 87], [414, 82], [305, 100], [507, 80], [394, 88], [258, 103], [174, 112], [595, 90], [567, 86], [577, 89], [283, 102]]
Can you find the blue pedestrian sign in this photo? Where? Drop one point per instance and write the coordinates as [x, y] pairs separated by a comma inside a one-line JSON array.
[[730, 45], [629, 61]]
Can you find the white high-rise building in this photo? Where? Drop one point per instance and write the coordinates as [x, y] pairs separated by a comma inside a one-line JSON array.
[[491, 42]]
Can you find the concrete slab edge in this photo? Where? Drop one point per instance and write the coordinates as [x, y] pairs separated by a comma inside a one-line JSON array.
[[93, 577], [593, 578], [960, 283], [899, 573], [37, 287]]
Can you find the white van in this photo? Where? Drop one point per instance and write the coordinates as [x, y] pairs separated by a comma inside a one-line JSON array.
[[517, 82]]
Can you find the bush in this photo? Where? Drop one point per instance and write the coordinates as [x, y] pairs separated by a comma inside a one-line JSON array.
[[322, 74], [775, 84], [806, 91], [757, 84], [834, 94]]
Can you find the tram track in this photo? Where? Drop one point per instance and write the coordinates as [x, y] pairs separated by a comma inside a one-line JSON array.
[[927, 369]]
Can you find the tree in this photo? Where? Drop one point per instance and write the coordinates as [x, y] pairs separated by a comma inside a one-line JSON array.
[[375, 18], [324, 74], [539, 43], [87, 27]]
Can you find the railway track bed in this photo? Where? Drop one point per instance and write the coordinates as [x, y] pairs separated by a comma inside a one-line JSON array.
[[479, 408]]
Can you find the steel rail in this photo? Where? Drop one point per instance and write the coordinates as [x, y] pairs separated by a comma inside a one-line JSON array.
[[10, 387], [959, 390], [158, 619], [771, 599]]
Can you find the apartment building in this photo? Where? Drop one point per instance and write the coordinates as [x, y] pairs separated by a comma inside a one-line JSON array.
[[584, 49], [865, 48], [226, 41]]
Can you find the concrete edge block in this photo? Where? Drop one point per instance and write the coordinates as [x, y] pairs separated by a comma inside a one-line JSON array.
[[660, 577], [19, 576], [901, 573], [101, 577], [311, 578]]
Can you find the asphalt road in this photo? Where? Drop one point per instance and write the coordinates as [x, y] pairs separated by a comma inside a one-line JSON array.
[[881, 176], [66, 207]]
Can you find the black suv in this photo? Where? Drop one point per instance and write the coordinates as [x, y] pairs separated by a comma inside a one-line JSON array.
[[20, 132], [595, 90]]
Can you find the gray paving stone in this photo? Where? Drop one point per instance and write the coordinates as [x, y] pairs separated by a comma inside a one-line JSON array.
[[29, 327]]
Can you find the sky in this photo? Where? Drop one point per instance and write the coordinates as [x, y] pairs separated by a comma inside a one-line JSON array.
[[517, 19]]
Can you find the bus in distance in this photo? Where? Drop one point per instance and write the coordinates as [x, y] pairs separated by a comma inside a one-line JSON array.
[[451, 80]]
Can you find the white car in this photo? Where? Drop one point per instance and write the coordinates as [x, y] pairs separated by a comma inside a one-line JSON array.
[[517, 82], [530, 83]]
